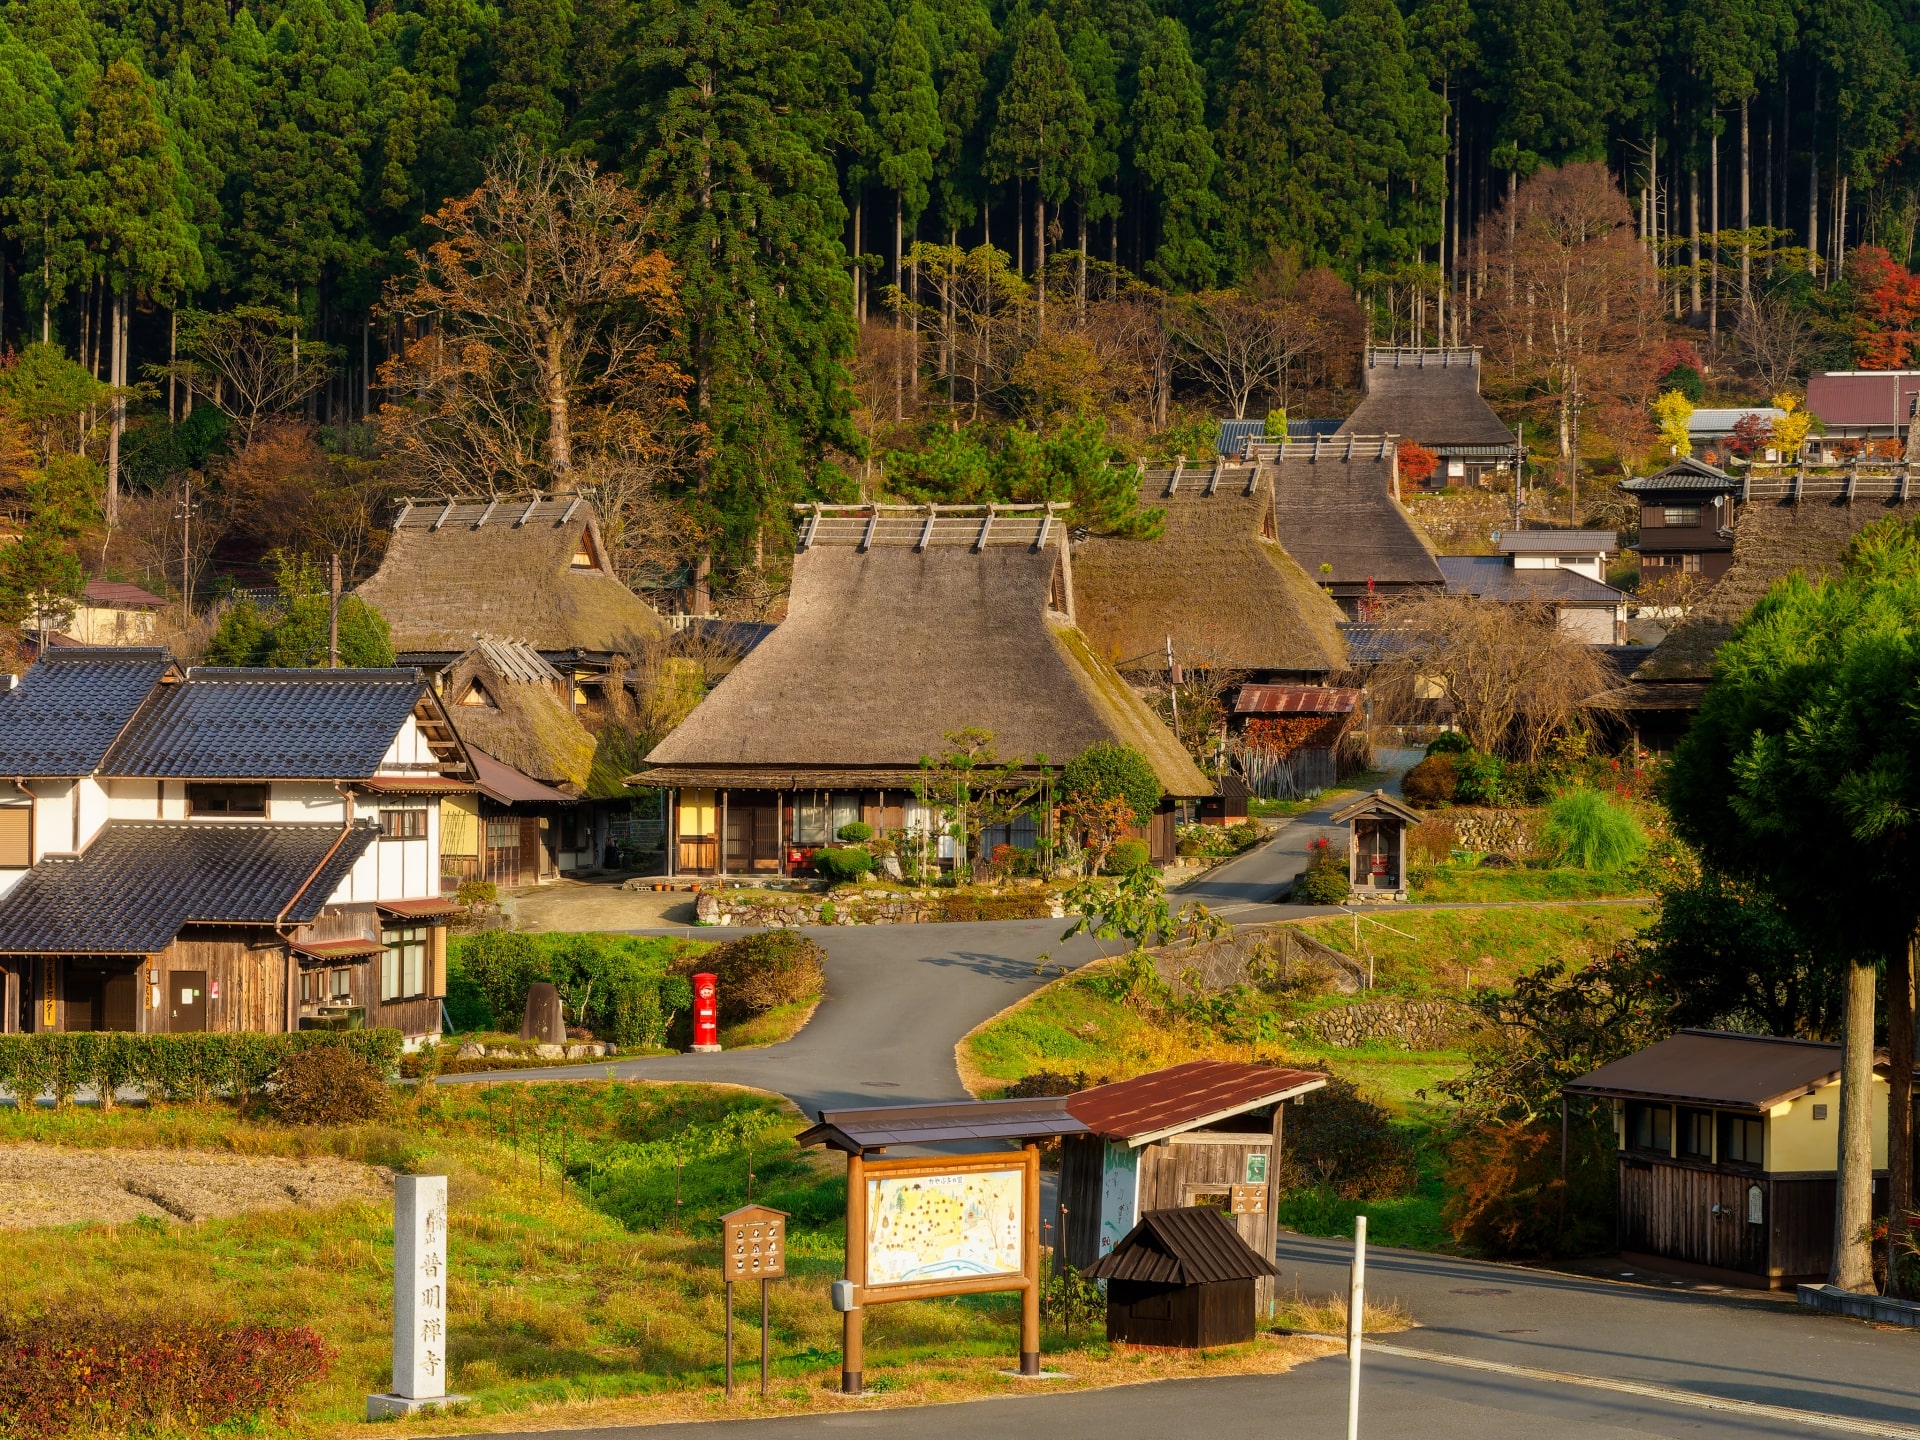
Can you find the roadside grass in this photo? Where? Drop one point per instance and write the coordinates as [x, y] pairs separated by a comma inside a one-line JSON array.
[[781, 1023], [581, 1292], [1463, 883], [1327, 1314], [1421, 953]]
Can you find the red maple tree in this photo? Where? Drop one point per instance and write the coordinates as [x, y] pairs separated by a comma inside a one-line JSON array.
[[1886, 310], [1416, 462]]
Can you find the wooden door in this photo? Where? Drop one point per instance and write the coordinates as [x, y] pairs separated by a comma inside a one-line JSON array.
[[186, 1000], [530, 866], [502, 859], [753, 837]]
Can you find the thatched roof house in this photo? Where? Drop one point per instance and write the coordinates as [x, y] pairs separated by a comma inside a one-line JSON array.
[[507, 701], [1216, 582], [904, 624], [1335, 512], [1432, 397], [531, 570]]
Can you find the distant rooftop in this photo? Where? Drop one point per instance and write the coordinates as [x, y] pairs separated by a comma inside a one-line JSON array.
[[1556, 542]]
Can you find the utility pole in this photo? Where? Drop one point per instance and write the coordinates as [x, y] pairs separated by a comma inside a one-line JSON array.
[[186, 545], [333, 614]]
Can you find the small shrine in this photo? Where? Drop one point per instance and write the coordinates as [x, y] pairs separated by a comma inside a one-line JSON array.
[[1377, 845]]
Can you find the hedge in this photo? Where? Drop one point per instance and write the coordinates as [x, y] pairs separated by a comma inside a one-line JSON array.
[[169, 1067]]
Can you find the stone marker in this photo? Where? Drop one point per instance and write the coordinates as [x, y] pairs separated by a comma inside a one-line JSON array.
[[545, 1019], [419, 1300]]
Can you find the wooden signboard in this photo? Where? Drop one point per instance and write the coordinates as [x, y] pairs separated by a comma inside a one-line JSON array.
[[753, 1246], [1248, 1200], [959, 1225]]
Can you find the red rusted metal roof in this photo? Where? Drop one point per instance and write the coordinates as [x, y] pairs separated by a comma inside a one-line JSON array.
[[352, 948], [418, 909], [1185, 1097], [1295, 700], [878, 1126], [118, 592], [1719, 1068], [1194, 1245], [1862, 397]]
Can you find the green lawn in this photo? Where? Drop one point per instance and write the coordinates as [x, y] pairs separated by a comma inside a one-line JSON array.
[[1462, 883], [1423, 952]]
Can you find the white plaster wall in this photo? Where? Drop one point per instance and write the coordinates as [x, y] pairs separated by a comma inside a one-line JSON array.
[[1595, 627], [133, 799], [408, 751], [290, 802], [9, 879], [93, 810]]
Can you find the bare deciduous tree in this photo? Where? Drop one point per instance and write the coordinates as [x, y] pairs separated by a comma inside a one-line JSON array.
[[1240, 346], [253, 363], [1774, 339], [1505, 673]]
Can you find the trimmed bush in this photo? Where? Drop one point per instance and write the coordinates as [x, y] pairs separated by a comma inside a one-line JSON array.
[[1481, 779], [75, 1372], [1449, 742], [1108, 771], [1587, 829], [617, 985], [758, 973], [1324, 881], [1340, 1140], [328, 1086], [172, 1067], [1431, 783], [996, 907], [1128, 856], [856, 832], [842, 865]]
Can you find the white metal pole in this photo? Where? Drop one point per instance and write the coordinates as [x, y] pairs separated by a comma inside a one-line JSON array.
[[1356, 1315]]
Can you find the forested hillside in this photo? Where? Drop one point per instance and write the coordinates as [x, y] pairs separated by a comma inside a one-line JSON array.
[[271, 265]]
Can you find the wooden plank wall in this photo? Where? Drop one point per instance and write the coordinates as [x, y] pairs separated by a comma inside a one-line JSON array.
[[1668, 1210], [1801, 1224], [1172, 1175], [252, 974], [1081, 1160]]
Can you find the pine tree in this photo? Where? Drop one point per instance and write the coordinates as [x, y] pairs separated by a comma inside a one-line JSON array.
[[527, 55], [1271, 140], [1042, 130], [1097, 69], [1173, 150], [39, 189]]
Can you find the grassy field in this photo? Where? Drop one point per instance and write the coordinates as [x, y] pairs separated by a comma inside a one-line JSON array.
[[585, 1263], [1425, 952], [1461, 883]]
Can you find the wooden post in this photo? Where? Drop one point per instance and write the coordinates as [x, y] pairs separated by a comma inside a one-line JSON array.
[[729, 1288], [333, 613], [850, 1357], [763, 1337], [1899, 1108], [1356, 1322], [1030, 1244]]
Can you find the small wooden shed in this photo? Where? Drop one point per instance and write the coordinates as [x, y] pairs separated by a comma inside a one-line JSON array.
[[1182, 1277], [1377, 845], [1206, 1134]]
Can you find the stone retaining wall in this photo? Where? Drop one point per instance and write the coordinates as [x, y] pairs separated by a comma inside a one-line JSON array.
[[1504, 832], [1410, 1024]]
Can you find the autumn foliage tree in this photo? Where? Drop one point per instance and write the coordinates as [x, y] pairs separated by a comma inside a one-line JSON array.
[[1887, 306]]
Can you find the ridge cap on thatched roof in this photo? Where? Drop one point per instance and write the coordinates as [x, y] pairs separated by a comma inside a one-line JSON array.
[[523, 723], [976, 527], [1431, 396]]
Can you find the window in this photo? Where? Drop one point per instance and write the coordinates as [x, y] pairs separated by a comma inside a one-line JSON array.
[[1690, 563], [1696, 1134], [1742, 1140], [403, 969], [1650, 1127], [584, 557], [1574, 562], [475, 697], [16, 835], [410, 824], [818, 816], [1680, 516], [227, 800]]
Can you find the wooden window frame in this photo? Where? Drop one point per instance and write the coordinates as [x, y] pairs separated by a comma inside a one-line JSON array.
[[26, 852], [199, 792], [404, 944], [1654, 1110], [404, 823], [1690, 514]]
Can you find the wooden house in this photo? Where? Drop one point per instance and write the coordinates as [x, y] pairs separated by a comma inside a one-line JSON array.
[[112, 612], [1206, 1133], [904, 624], [211, 849], [1376, 845], [1182, 1277], [526, 569], [1337, 511], [1728, 1153], [1860, 406], [1686, 521], [1431, 396], [1560, 570]]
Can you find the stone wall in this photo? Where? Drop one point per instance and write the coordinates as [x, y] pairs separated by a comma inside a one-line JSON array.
[[1506, 832], [1410, 1024]]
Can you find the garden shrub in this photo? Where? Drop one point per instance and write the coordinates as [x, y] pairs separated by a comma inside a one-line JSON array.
[[1480, 779], [965, 908], [1107, 771], [1431, 783], [617, 986], [1449, 742], [1505, 1196], [842, 865], [855, 832], [1128, 856], [1431, 841], [195, 1066], [1587, 829], [1340, 1141], [758, 973], [502, 965], [327, 1086], [78, 1372], [1324, 881], [1043, 1084], [477, 892]]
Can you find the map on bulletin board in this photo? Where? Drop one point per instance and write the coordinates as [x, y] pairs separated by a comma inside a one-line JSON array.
[[944, 1227]]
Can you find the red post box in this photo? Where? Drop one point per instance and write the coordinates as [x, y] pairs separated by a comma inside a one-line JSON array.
[[706, 1015]]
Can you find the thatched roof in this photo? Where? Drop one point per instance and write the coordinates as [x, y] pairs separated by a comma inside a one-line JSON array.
[[1431, 397], [1771, 539], [905, 624], [454, 571], [1333, 506], [1216, 581], [504, 699]]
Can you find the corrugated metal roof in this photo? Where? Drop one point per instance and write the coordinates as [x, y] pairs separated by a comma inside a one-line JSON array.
[[64, 716], [1718, 1068], [1195, 1245], [875, 1127], [131, 890], [1491, 577], [118, 592], [1234, 435], [500, 781], [1863, 397], [1712, 424], [1185, 1097], [1295, 700], [1557, 542]]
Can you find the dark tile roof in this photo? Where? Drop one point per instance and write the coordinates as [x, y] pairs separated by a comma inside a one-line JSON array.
[[1684, 475], [269, 725], [1491, 578], [62, 718], [139, 881], [1193, 1245], [1556, 542], [1431, 397]]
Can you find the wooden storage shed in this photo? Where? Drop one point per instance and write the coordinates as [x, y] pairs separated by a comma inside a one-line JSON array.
[[1728, 1153], [1206, 1134], [1182, 1277]]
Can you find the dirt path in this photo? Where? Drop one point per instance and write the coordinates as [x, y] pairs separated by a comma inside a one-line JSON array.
[[55, 1185], [573, 905]]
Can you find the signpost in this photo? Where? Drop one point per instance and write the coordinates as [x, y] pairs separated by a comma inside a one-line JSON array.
[[1356, 1319], [922, 1228], [419, 1300], [753, 1247]]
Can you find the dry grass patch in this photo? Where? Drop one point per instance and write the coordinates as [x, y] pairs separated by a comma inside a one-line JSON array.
[[59, 1185]]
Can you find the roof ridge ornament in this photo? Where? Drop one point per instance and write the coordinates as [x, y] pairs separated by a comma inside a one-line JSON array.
[[527, 514], [1173, 480], [445, 511], [487, 513]]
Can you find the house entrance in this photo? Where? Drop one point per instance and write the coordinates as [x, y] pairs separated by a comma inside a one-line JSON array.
[[101, 997], [186, 1000], [753, 835], [501, 862]]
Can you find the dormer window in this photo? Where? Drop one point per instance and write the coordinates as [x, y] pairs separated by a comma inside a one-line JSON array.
[[585, 557], [475, 697]]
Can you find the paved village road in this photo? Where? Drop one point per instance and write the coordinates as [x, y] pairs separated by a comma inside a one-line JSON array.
[[1754, 1350]]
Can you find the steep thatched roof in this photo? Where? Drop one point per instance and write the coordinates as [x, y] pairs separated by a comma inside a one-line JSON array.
[[905, 625], [1431, 397], [1771, 539], [1333, 506], [454, 571], [1216, 581], [504, 699]]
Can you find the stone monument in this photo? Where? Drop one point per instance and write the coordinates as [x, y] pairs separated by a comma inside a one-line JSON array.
[[419, 1300]]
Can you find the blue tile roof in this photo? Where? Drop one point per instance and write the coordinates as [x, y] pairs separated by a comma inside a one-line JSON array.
[[140, 881], [65, 715], [268, 725]]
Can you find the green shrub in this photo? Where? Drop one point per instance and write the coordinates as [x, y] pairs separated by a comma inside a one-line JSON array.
[[1481, 779], [843, 864], [1128, 856], [1108, 771], [611, 984], [1587, 829], [964, 908], [502, 965], [196, 1066], [856, 832], [1324, 881], [1339, 1140], [477, 892], [758, 973], [327, 1086], [1431, 783], [1449, 742]]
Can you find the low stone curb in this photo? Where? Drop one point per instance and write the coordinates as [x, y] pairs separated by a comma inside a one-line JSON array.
[[1832, 1300]]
